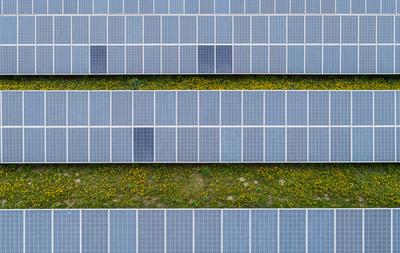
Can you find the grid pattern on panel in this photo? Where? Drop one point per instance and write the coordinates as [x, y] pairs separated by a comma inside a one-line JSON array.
[[113, 37], [199, 126], [200, 230]]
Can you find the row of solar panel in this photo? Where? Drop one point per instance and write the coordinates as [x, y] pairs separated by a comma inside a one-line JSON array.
[[78, 60], [200, 108], [286, 231], [198, 6], [315, 29], [192, 145]]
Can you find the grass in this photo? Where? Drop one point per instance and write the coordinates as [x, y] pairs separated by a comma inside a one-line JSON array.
[[202, 83], [109, 186], [137, 186]]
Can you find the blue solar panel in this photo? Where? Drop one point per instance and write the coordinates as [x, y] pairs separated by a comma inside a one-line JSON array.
[[100, 145], [38, 231], [209, 139], [292, 231], [143, 144], [124, 36], [122, 231], [377, 230], [321, 233], [362, 141], [66, 230], [151, 231], [78, 145], [34, 151], [202, 230], [94, 231], [199, 126], [264, 235], [11, 231], [179, 231], [121, 145], [236, 231], [208, 231], [318, 144], [187, 141], [253, 143], [77, 108], [349, 230]]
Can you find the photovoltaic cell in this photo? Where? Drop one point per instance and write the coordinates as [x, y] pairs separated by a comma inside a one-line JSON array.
[[151, 230], [231, 106], [377, 230], [12, 145], [236, 231], [348, 230], [94, 230], [56, 145], [34, 145], [143, 108], [179, 231], [292, 231], [362, 141], [165, 145], [209, 143], [78, 108], [100, 145], [187, 103], [318, 144], [209, 113], [231, 139], [264, 227], [78, 145], [275, 145], [143, 144], [122, 231], [12, 108], [38, 231], [56, 108], [66, 226], [121, 145], [11, 231], [321, 231], [187, 149], [253, 144], [208, 231]]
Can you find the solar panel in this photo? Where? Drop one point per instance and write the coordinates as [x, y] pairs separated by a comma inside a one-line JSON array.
[[112, 37], [199, 126], [200, 230]]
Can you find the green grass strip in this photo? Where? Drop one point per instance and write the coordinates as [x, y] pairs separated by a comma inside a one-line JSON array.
[[202, 83], [178, 186]]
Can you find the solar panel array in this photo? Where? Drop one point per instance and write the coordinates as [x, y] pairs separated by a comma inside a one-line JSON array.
[[62, 37], [199, 126], [213, 230]]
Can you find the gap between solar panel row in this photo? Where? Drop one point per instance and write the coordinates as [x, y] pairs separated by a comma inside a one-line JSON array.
[[185, 230], [200, 126], [199, 45], [198, 6]]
